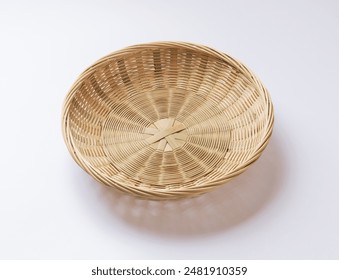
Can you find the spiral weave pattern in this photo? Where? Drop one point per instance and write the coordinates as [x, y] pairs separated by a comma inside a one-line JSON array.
[[166, 120]]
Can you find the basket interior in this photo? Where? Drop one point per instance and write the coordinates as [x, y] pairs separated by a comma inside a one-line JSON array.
[[165, 117]]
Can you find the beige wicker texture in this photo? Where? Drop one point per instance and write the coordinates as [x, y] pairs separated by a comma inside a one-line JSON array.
[[166, 120]]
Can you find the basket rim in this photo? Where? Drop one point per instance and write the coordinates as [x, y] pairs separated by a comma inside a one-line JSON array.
[[130, 50]]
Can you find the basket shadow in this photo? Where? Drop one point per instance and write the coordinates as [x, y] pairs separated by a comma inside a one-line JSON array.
[[224, 208]]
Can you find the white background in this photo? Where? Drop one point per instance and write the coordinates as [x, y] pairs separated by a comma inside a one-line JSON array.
[[286, 206]]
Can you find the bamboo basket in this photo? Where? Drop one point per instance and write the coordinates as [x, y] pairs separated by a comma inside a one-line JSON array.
[[166, 120]]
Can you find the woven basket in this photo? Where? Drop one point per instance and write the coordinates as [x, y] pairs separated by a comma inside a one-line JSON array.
[[166, 120]]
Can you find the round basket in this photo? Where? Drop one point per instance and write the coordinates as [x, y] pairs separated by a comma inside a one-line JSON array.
[[166, 120]]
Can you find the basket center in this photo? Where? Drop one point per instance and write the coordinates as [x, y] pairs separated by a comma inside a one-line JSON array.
[[166, 134]]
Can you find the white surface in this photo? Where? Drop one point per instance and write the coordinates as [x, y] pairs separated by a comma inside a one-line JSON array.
[[285, 206]]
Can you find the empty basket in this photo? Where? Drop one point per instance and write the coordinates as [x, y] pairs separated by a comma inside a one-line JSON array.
[[166, 120]]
